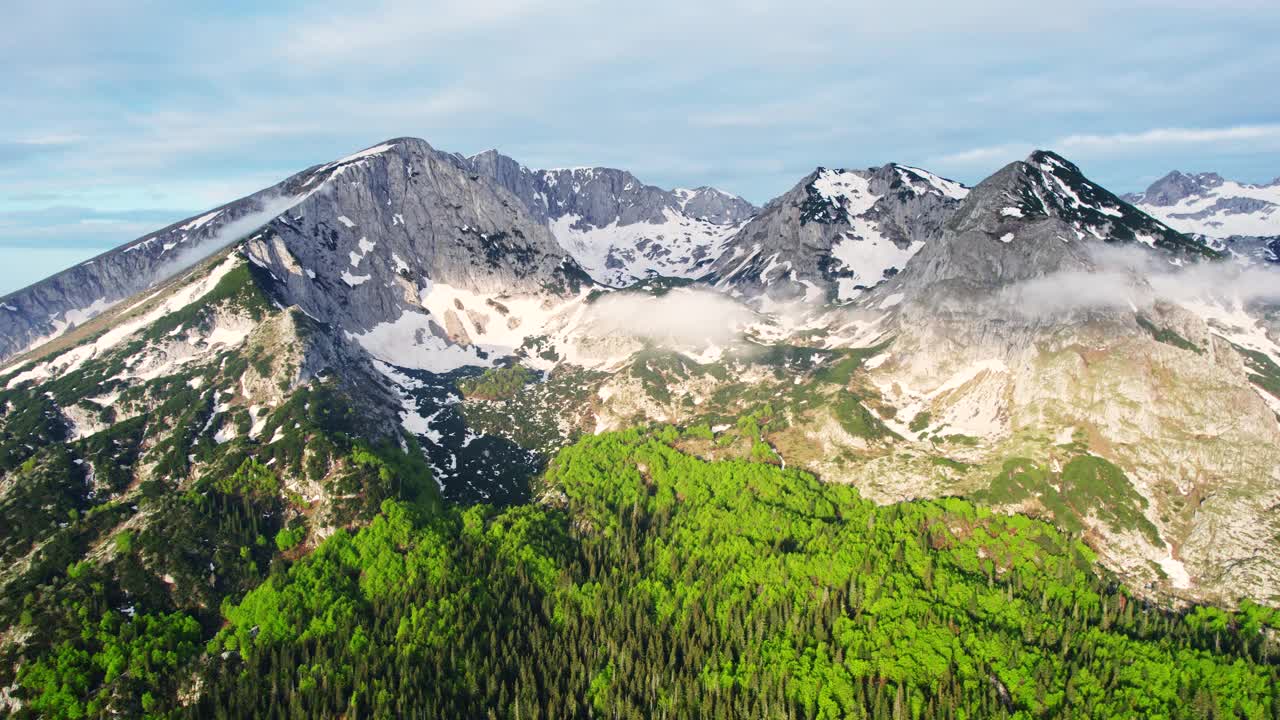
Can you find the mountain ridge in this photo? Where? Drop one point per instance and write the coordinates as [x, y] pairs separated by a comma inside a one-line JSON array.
[[421, 275], [835, 233], [1242, 219], [618, 228]]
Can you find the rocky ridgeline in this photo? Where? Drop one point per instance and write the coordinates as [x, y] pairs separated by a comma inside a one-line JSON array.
[[945, 333], [1240, 218], [836, 233]]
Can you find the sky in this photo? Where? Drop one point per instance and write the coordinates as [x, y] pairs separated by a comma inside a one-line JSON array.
[[122, 116]]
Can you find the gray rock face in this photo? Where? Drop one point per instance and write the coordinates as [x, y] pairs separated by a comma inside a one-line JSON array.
[[618, 228], [1175, 187], [600, 196], [836, 233], [714, 205], [411, 215], [1237, 218], [385, 227]]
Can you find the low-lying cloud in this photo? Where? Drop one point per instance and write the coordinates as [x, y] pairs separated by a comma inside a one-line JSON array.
[[1136, 278], [241, 227], [681, 317]]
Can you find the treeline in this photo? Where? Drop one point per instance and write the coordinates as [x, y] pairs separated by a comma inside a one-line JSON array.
[[500, 383], [652, 584]]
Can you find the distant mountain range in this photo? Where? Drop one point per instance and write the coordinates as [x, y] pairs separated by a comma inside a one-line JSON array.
[[1239, 217]]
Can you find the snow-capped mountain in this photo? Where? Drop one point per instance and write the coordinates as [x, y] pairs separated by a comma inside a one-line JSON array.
[[1242, 218], [407, 297], [618, 228], [837, 233], [1031, 218], [1050, 314], [400, 211]]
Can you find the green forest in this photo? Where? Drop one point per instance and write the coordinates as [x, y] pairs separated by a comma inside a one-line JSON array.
[[646, 582]]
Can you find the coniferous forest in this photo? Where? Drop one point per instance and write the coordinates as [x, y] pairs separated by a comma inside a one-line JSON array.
[[644, 582]]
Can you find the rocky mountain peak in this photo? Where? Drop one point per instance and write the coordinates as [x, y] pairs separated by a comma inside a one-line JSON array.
[[1241, 219], [1174, 187], [714, 205], [620, 229], [1029, 219], [599, 196], [837, 233], [1047, 185]]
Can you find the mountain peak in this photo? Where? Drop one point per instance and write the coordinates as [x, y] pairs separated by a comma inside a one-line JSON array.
[[1241, 218], [837, 233], [1175, 187], [1049, 160], [1031, 218]]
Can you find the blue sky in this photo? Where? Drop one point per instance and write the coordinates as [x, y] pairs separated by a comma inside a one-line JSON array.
[[120, 116]]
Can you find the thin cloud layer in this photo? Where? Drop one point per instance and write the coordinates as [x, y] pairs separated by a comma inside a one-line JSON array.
[[681, 318], [1134, 278], [235, 230]]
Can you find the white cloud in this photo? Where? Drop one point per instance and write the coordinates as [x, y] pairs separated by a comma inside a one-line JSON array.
[[393, 31], [236, 229], [680, 318], [1160, 137], [1123, 277], [1086, 145]]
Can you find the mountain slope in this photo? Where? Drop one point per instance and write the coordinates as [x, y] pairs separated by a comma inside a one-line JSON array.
[[1242, 218], [618, 228], [367, 423], [836, 233], [1036, 326], [53, 306]]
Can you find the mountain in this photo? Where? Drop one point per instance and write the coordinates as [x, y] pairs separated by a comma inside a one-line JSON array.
[[1240, 217], [53, 306], [316, 245], [836, 233], [402, 254], [386, 417], [1032, 218], [1031, 327], [617, 228]]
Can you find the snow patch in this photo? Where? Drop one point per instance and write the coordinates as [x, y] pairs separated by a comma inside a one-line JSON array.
[[375, 150], [1176, 571], [869, 255], [201, 221], [849, 191], [949, 188], [619, 255], [409, 342], [891, 301]]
